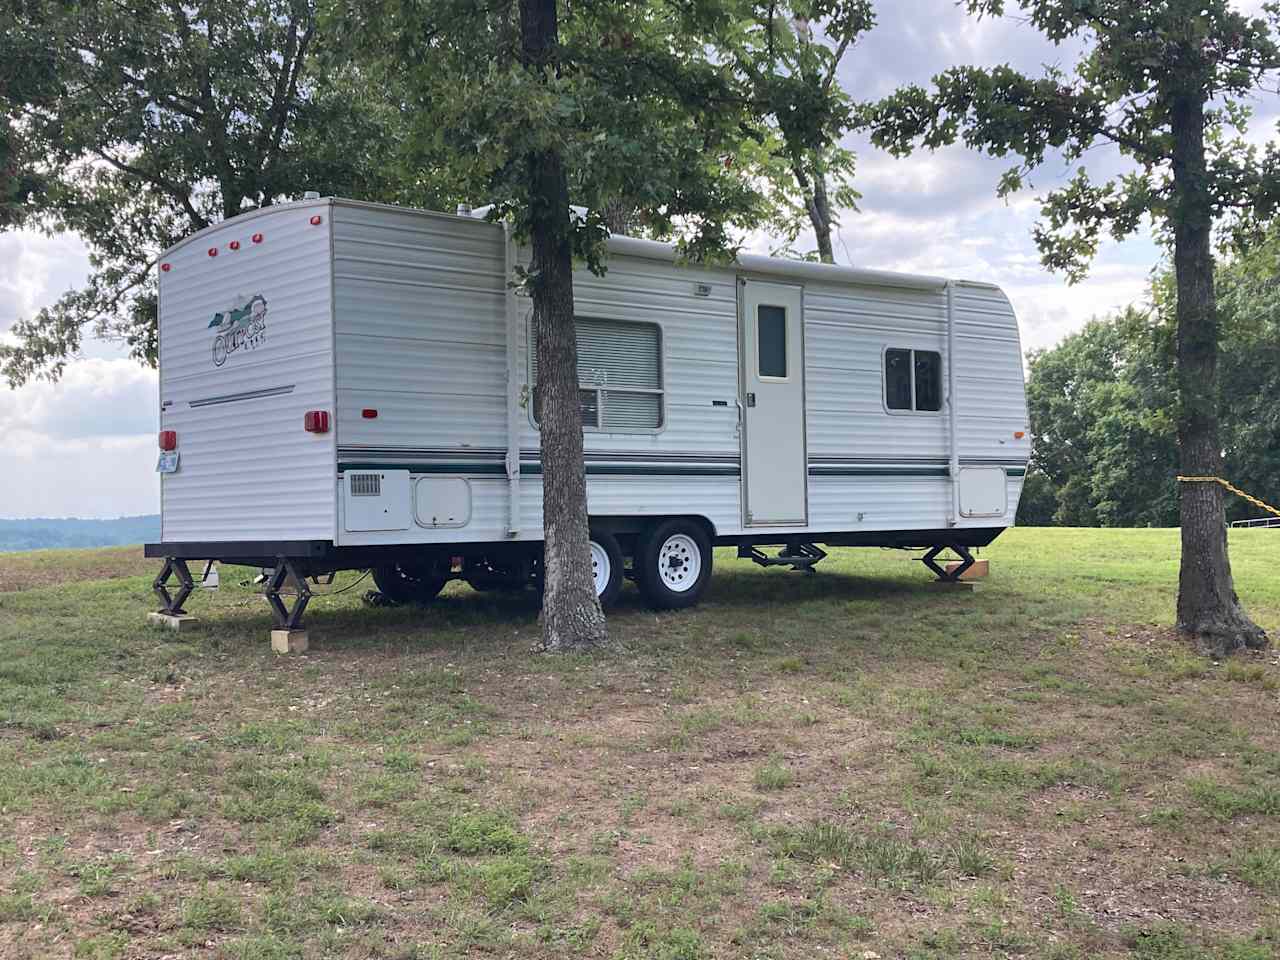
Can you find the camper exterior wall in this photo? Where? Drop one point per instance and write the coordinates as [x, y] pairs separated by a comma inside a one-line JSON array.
[[421, 316], [396, 322], [246, 348]]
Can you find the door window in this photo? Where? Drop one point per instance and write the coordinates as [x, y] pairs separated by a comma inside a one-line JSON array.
[[771, 342]]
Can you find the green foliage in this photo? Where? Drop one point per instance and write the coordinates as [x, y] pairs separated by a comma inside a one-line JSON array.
[[1103, 402], [787, 55], [483, 832], [643, 115], [139, 126], [1143, 62]]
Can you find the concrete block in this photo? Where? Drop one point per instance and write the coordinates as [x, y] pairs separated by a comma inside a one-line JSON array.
[[182, 621], [979, 571], [289, 641]]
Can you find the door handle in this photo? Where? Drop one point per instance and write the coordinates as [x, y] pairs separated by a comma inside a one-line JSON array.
[[751, 399]]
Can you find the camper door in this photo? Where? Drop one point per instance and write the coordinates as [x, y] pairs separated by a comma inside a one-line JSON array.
[[775, 468]]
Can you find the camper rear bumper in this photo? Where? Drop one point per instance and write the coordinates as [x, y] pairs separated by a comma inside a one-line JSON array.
[[221, 549]]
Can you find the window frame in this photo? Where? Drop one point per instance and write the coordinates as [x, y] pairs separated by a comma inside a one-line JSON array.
[[884, 382], [600, 390]]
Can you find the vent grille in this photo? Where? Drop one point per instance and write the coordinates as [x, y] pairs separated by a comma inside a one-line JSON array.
[[366, 485]]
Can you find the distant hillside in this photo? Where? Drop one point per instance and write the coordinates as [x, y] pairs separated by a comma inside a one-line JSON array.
[[40, 533]]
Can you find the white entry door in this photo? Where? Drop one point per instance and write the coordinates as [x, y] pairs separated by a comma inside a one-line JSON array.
[[775, 469]]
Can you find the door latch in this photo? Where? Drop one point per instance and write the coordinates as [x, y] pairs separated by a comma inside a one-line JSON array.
[[751, 399]]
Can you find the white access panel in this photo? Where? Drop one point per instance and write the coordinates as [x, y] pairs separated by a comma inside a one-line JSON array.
[[376, 500], [983, 492], [775, 466], [442, 502]]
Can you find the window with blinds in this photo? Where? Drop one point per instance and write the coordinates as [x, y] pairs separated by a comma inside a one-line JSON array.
[[619, 372]]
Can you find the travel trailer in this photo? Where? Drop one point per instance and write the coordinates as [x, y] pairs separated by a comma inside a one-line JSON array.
[[349, 385]]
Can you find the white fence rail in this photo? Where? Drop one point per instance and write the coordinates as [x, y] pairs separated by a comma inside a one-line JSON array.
[[1263, 522]]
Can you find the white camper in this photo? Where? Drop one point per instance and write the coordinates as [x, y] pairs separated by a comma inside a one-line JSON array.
[[348, 385]]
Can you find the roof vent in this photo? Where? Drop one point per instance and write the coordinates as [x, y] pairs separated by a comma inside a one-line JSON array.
[[464, 209], [311, 195]]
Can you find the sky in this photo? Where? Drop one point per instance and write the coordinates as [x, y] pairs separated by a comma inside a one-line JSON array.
[[86, 445]]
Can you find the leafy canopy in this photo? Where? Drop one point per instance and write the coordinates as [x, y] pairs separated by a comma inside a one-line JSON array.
[[787, 55], [1141, 61], [632, 98], [137, 124]]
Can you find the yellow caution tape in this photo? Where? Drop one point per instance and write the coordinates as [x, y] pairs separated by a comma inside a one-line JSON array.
[[1236, 490]]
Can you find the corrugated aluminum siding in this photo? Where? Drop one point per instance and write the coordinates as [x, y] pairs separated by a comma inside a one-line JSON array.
[[248, 470], [421, 325]]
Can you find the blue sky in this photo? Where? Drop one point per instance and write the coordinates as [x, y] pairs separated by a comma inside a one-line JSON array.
[[86, 446]]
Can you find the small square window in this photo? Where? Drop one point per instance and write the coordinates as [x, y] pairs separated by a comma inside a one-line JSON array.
[[771, 341], [913, 380]]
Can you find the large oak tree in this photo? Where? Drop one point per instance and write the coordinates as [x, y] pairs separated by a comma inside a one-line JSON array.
[[1162, 81], [608, 106]]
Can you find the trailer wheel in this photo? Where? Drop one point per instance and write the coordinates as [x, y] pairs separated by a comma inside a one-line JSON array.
[[408, 582], [606, 566], [673, 564]]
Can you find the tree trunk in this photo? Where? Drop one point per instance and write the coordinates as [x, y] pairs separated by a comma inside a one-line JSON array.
[[1208, 608], [571, 614], [820, 215], [813, 188], [618, 215]]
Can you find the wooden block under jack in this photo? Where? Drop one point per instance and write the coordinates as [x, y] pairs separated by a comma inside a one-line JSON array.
[[289, 641], [178, 622], [979, 571]]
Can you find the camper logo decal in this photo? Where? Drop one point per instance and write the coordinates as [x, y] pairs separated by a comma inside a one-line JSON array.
[[240, 328]]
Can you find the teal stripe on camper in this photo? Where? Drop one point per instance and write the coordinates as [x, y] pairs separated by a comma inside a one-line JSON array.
[[891, 472], [645, 470], [535, 469], [1018, 472]]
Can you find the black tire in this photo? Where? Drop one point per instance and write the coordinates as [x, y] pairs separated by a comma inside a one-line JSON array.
[[676, 546], [511, 575], [608, 543], [408, 582]]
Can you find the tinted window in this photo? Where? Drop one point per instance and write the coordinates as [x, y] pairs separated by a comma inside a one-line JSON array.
[[897, 379], [771, 340], [928, 380]]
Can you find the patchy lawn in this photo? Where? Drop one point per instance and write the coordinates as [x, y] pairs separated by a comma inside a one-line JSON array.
[[847, 764]]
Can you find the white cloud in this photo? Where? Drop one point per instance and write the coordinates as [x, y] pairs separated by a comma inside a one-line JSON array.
[[84, 446], [35, 270]]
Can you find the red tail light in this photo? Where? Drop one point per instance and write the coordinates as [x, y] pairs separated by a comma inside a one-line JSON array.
[[369, 413], [316, 421], [168, 440]]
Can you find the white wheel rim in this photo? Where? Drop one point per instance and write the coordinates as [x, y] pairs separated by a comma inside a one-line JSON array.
[[679, 563], [601, 569]]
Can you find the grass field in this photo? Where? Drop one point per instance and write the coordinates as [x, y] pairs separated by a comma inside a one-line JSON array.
[[841, 765]]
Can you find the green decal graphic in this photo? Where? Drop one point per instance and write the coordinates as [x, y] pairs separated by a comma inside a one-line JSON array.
[[240, 328]]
